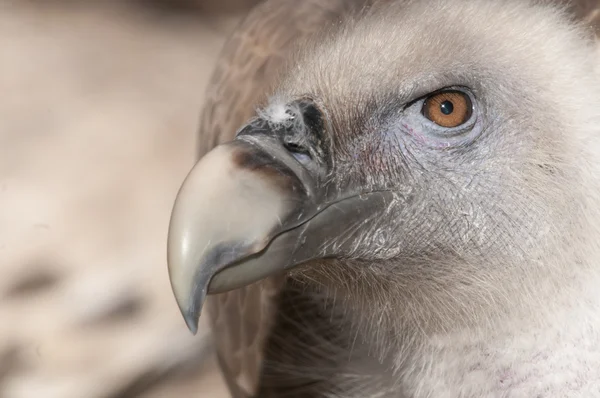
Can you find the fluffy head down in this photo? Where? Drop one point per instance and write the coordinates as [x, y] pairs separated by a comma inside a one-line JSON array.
[[495, 221]]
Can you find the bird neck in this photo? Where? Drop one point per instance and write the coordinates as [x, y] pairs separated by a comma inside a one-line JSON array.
[[514, 351], [518, 360]]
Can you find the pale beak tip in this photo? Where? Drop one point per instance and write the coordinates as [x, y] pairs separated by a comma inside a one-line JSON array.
[[191, 313], [191, 320], [191, 309]]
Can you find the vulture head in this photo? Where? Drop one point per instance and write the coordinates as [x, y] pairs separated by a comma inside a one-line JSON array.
[[433, 164]]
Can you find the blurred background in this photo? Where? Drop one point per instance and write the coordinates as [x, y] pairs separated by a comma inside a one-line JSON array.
[[99, 106]]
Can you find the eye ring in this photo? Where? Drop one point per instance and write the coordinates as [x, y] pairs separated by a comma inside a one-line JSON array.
[[448, 108]]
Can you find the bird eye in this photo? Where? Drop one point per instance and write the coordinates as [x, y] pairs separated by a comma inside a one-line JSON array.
[[448, 108]]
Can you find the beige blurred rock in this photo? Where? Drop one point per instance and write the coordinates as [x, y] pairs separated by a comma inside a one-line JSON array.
[[99, 109], [220, 6], [209, 385]]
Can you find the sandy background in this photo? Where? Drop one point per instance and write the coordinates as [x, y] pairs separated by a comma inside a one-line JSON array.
[[99, 104]]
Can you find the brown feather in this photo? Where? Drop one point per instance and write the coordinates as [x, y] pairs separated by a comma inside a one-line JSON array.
[[588, 11]]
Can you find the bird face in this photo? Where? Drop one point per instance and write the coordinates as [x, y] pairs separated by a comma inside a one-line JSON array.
[[425, 148]]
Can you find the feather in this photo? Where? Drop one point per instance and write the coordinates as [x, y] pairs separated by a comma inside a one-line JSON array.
[[307, 334]]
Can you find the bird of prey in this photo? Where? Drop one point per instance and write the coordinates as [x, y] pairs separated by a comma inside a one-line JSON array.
[[399, 199]]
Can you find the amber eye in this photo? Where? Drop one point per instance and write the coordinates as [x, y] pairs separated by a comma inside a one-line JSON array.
[[448, 109]]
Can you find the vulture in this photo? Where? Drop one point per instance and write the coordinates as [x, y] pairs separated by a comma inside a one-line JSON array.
[[399, 199]]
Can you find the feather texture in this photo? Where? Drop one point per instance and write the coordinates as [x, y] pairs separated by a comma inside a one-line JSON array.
[[294, 336]]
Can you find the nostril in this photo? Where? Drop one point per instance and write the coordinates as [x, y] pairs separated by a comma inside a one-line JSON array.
[[298, 151], [294, 147]]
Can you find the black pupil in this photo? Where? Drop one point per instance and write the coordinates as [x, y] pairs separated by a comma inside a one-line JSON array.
[[447, 107]]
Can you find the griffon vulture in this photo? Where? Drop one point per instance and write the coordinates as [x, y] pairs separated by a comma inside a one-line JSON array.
[[404, 201]]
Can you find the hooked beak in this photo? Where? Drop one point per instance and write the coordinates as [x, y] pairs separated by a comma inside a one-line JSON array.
[[249, 209]]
